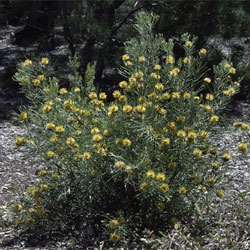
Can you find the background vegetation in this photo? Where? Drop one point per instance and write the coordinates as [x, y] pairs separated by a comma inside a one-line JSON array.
[[96, 30]]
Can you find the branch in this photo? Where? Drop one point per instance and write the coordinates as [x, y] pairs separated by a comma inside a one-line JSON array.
[[130, 14], [117, 3]]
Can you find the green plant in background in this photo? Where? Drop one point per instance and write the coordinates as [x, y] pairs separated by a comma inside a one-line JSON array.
[[141, 161]]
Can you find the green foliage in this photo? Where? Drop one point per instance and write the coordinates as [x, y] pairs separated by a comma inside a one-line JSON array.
[[139, 162]]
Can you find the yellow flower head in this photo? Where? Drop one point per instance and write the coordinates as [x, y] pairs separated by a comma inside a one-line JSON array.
[[113, 223], [36, 82], [50, 126], [164, 187], [207, 79], [209, 97], [54, 139], [191, 136], [197, 152], [226, 157], [35, 192], [86, 155], [70, 141], [188, 43], [50, 154], [140, 109], [186, 95], [208, 108], [120, 164], [113, 109], [172, 126], [187, 60], [181, 118], [127, 109], [44, 60], [212, 180], [44, 187], [144, 186], [78, 157], [157, 67], [160, 177], [126, 142], [220, 193], [129, 169], [23, 79], [166, 96], [27, 62], [181, 133], [41, 77], [229, 92], [78, 132], [101, 151], [125, 57], [170, 60], [155, 76], [102, 96], [203, 134], [162, 111], [60, 129], [20, 141], [203, 51], [118, 141], [182, 190], [122, 99], [92, 95], [30, 220], [77, 90], [243, 147], [46, 90], [107, 132], [150, 174], [23, 116], [232, 71], [55, 176], [128, 63], [174, 71], [214, 119], [215, 165], [95, 131], [114, 237], [17, 207], [40, 212], [202, 188], [159, 86], [165, 142], [141, 59], [123, 84], [97, 138], [153, 96], [116, 94], [32, 210], [63, 91], [213, 151], [176, 95], [42, 172], [244, 126]]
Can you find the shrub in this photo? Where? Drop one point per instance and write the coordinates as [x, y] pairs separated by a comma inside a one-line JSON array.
[[141, 161]]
